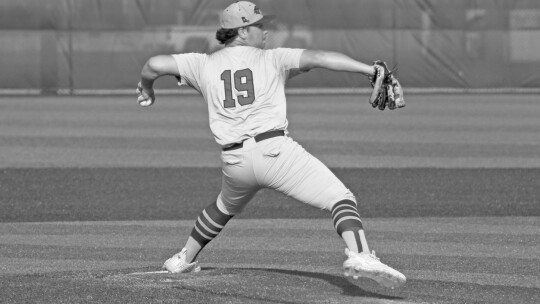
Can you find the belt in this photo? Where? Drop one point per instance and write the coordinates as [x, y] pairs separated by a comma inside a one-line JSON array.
[[258, 138]]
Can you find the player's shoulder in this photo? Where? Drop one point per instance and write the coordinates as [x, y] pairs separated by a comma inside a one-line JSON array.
[[283, 51], [285, 56], [190, 62], [191, 56]]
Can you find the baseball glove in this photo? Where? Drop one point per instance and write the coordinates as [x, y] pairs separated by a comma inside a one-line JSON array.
[[387, 91]]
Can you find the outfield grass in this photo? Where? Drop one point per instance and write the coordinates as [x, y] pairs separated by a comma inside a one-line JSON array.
[[445, 131]]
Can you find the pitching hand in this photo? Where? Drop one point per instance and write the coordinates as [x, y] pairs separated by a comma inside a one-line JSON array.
[[144, 98]]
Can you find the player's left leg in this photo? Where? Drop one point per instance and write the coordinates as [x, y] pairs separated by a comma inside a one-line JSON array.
[[360, 261], [295, 172], [290, 169], [349, 226]]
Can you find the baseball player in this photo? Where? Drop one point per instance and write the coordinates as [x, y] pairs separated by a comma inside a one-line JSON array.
[[244, 87]]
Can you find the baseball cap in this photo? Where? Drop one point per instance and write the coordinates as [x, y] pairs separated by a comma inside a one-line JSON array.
[[242, 13]]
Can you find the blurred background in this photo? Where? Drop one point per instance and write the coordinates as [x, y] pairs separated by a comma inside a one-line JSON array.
[[85, 46]]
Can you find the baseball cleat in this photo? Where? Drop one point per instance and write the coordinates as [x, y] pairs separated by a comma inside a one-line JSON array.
[[177, 264], [367, 265]]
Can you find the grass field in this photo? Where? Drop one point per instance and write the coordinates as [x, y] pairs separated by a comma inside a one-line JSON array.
[[95, 192]]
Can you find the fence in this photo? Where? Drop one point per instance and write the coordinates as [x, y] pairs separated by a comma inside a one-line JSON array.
[[52, 46]]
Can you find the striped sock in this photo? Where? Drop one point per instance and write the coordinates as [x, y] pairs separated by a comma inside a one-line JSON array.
[[346, 218], [209, 224]]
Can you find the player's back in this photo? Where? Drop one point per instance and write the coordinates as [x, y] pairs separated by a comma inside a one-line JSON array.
[[242, 76], [245, 90]]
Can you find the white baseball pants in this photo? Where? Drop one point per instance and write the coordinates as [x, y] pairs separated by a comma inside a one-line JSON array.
[[278, 163]]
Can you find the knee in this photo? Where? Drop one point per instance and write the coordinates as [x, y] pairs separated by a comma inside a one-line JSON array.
[[345, 195], [228, 208]]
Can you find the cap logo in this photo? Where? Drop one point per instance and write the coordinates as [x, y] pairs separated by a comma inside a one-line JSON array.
[[257, 10], [245, 20]]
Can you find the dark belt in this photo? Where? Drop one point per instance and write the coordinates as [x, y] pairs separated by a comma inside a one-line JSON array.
[[258, 138]]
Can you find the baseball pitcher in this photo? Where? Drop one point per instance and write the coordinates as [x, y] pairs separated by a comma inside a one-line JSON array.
[[244, 87]]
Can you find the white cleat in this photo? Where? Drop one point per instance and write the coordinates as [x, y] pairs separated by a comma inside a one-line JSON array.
[[367, 265], [177, 264]]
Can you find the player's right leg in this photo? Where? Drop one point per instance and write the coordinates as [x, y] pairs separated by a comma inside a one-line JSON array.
[[207, 226], [237, 188]]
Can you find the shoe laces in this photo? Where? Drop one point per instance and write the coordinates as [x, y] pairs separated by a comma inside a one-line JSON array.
[[371, 255], [374, 256]]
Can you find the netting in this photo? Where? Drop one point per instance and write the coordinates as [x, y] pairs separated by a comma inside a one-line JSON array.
[[70, 46]]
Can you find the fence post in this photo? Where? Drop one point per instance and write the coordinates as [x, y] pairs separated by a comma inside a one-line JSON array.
[[49, 63]]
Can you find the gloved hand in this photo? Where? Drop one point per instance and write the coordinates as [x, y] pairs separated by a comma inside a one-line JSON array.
[[387, 91]]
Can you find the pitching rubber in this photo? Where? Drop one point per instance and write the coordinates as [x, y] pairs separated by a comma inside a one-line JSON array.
[[149, 272]]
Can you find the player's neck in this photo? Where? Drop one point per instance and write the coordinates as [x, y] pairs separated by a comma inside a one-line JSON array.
[[237, 43]]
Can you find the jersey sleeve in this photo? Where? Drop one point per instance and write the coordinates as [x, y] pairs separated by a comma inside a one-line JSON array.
[[287, 58], [189, 68]]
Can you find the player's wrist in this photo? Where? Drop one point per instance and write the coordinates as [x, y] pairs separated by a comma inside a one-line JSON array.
[[373, 70], [148, 88]]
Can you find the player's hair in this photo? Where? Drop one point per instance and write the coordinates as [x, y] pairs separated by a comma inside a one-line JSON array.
[[225, 36]]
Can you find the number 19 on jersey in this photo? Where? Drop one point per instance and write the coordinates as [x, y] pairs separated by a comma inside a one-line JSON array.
[[243, 83]]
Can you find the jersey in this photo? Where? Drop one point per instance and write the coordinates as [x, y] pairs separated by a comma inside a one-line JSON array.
[[244, 88]]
